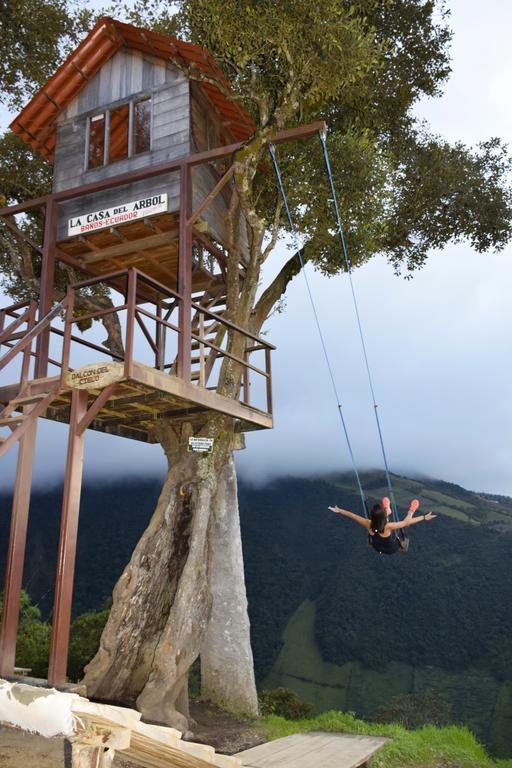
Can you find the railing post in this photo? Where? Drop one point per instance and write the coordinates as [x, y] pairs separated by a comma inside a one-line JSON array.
[[68, 329], [67, 543], [202, 366], [47, 286], [159, 335], [246, 378], [131, 301], [27, 354], [185, 275], [268, 370], [2, 323]]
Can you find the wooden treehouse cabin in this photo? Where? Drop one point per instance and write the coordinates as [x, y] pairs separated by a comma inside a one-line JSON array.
[[142, 157]]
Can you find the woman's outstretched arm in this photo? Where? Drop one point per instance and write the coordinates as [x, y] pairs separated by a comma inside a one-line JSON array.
[[346, 513], [409, 520]]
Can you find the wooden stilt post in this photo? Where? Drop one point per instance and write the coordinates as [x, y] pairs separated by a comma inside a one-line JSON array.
[[16, 550], [185, 274], [47, 283], [67, 543]]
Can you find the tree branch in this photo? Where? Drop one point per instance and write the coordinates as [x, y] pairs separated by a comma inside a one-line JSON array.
[[275, 291], [276, 226]]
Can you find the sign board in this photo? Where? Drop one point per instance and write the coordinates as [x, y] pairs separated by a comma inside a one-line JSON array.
[[96, 376], [200, 444], [117, 214]]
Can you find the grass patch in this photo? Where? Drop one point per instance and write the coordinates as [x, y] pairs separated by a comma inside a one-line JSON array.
[[427, 747]]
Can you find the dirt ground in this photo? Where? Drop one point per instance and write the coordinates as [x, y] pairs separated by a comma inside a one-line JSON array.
[[212, 726]]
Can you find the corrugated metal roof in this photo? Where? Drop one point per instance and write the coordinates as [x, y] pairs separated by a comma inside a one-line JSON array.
[[36, 123]]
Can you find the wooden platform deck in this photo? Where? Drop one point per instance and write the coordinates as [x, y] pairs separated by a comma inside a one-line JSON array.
[[138, 402], [313, 750]]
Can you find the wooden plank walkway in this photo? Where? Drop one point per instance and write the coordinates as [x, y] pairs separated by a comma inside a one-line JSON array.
[[312, 750]]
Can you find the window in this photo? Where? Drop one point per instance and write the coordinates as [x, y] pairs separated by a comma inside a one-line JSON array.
[[96, 141], [119, 133], [142, 126]]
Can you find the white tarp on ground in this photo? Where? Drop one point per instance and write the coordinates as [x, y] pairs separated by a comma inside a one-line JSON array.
[[39, 710]]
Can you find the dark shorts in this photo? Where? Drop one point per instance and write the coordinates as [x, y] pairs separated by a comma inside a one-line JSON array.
[[385, 546]]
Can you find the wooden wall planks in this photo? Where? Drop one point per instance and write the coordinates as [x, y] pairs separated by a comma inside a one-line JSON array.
[[182, 122]]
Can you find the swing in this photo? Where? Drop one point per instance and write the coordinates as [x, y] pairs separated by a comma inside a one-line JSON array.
[[402, 539]]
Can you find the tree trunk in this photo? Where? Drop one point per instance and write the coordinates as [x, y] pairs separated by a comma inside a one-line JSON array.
[[162, 602], [227, 669]]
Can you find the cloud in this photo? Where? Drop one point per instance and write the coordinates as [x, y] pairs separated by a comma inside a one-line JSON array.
[[438, 344]]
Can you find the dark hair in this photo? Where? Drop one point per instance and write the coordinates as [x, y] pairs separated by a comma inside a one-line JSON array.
[[378, 518]]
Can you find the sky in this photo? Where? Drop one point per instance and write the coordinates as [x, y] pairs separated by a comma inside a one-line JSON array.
[[438, 344]]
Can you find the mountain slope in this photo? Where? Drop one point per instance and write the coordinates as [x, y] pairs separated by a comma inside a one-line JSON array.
[[432, 617]]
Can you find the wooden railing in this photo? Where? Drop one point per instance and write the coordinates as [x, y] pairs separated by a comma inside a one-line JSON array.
[[146, 301], [146, 310], [20, 342]]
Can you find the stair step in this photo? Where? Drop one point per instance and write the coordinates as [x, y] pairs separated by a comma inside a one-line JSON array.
[[28, 399], [6, 422], [212, 328], [196, 344]]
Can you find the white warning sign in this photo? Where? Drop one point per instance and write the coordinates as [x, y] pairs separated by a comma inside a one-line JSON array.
[[200, 444]]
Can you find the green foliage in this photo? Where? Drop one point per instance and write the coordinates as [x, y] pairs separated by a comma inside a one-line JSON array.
[[415, 710], [33, 643], [428, 747], [84, 641], [283, 702], [34, 634], [362, 65], [34, 35]]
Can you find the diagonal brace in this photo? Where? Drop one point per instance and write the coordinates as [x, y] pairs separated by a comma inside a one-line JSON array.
[[95, 408], [211, 197]]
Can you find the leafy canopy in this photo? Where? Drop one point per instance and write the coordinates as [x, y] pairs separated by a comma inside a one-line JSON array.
[[361, 65], [34, 36]]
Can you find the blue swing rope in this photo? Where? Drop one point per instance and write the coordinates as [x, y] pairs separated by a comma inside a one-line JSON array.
[[319, 327], [358, 318], [320, 333]]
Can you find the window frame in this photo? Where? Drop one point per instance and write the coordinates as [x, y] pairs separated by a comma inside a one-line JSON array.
[[131, 130]]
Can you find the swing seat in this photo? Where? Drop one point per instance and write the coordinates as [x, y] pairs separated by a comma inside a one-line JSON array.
[[404, 544]]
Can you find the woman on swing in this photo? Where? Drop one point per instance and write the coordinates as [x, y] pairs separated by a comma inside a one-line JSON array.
[[380, 530]]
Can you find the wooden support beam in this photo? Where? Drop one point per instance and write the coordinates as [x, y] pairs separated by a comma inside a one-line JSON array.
[[47, 281], [38, 410], [185, 275], [130, 246], [67, 545], [211, 196], [16, 549], [95, 408], [131, 301], [198, 158], [88, 244]]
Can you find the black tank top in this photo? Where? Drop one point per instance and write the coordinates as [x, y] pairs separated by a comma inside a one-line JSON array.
[[386, 545]]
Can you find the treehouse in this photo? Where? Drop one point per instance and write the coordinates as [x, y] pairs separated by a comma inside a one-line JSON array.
[[141, 129], [138, 196]]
